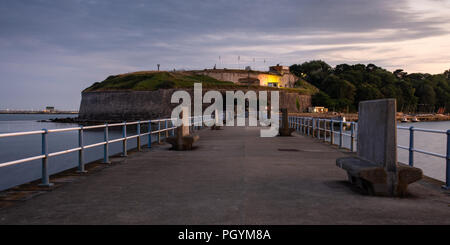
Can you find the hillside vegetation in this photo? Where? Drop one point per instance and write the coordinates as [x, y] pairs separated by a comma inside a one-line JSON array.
[[344, 86], [153, 80]]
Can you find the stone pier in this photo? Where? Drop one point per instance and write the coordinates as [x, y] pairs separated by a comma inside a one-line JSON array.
[[233, 177]]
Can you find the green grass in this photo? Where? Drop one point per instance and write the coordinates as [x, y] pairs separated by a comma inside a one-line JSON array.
[[153, 81], [149, 81]]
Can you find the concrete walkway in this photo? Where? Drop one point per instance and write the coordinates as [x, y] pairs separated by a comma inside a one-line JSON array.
[[233, 177]]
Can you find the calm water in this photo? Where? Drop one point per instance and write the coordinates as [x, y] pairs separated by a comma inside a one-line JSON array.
[[431, 142], [431, 166], [14, 148]]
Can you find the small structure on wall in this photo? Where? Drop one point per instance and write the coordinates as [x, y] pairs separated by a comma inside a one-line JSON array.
[[49, 109], [277, 76], [317, 109]]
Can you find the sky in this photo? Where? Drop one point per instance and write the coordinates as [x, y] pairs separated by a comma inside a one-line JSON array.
[[51, 50]]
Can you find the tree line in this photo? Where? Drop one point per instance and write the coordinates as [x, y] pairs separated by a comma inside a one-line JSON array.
[[344, 86]]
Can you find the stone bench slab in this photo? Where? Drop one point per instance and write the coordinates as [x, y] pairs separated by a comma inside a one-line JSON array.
[[373, 178], [186, 142], [286, 131]]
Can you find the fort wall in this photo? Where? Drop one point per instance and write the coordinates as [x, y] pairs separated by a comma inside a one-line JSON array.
[[143, 105]]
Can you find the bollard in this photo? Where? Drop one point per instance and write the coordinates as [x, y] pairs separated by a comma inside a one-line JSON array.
[[81, 152], [124, 142], [341, 124], [45, 177], [411, 146], [138, 132], [149, 145], [106, 145], [332, 132], [352, 136], [447, 167]]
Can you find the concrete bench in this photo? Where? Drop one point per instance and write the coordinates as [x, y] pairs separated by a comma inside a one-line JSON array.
[[183, 140], [284, 127], [375, 169], [216, 121], [372, 178]]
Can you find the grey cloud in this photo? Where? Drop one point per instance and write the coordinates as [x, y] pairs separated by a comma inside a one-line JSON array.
[[79, 42]]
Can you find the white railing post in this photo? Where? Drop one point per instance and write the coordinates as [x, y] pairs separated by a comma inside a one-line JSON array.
[[45, 176], [149, 145], [159, 132], [447, 165], [352, 136], [81, 151], [124, 142], [166, 127], [332, 132], [106, 146], [411, 146], [138, 132]]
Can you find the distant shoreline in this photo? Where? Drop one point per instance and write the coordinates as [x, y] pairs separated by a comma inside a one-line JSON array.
[[39, 112], [353, 117]]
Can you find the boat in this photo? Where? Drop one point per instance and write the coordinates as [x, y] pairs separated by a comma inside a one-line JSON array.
[[404, 120], [415, 119]]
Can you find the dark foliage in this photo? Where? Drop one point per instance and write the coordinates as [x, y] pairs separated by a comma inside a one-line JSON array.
[[344, 86]]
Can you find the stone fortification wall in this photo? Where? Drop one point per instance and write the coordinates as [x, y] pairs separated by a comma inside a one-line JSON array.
[[142, 105]]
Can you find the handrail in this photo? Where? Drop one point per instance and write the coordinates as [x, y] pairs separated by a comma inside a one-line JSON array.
[[21, 133], [168, 127], [307, 124]]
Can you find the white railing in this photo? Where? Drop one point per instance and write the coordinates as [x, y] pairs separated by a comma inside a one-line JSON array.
[[317, 127], [162, 125]]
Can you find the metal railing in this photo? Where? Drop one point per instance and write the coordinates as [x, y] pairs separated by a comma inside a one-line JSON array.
[[317, 127], [162, 125]]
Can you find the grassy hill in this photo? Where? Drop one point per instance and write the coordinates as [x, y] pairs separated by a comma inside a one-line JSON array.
[[154, 80]]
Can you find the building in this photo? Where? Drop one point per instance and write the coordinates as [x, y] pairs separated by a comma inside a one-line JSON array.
[[49, 109], [277, 76], [317, 109], [279, 69]]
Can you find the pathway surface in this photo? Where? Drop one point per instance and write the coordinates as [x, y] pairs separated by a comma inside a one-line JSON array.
[[233, 177]]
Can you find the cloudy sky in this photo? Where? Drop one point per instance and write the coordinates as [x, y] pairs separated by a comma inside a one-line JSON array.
[[51, 50]]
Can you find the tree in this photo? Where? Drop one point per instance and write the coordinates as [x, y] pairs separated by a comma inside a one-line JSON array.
[[323, 99], [347, 85], [316, 71], [339, 88], [367, 91]]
